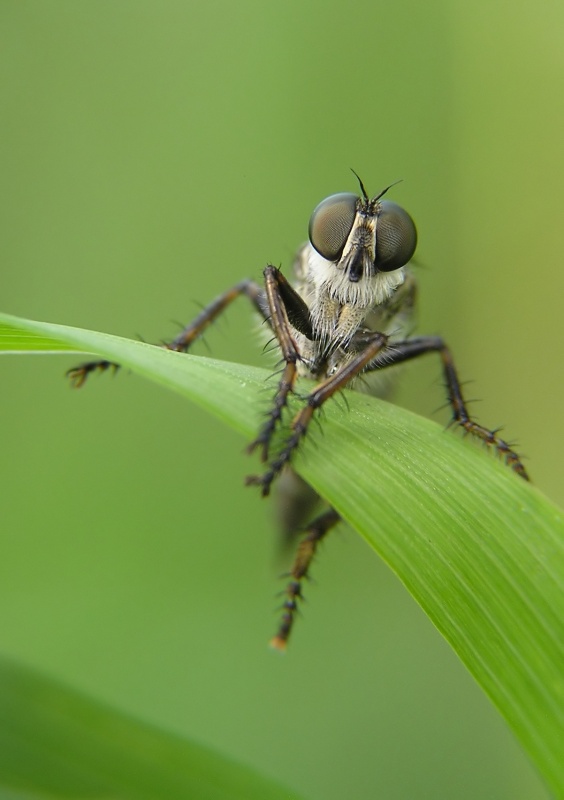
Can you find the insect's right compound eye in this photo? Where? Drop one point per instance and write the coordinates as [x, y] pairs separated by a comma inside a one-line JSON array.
[[331, 223]]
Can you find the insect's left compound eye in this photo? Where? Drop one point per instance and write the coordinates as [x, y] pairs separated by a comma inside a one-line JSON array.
[[331, 223], [396, 237]]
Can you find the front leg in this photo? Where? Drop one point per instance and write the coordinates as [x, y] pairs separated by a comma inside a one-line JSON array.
[[287, 311], [374, 343]]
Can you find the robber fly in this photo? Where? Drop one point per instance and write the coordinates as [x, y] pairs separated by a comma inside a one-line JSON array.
[[346, 315]]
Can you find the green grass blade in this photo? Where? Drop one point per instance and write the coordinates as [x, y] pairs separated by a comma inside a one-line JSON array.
[[479, 549], [17, 340], [55, 742]]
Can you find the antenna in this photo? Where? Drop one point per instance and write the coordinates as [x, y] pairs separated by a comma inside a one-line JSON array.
[[362, 189]]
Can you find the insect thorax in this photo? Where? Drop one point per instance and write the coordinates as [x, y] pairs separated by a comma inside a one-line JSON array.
[[340, 309]]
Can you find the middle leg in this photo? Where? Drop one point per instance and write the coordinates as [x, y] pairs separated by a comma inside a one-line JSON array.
[[413, 348]]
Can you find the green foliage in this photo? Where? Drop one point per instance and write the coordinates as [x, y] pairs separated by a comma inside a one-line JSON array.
[[57, 743], [480, 550]]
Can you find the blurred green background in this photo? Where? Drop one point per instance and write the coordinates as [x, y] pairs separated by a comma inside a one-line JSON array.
[[155, 153]]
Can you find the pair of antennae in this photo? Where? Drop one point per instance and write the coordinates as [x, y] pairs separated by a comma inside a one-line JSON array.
[[364, 192]]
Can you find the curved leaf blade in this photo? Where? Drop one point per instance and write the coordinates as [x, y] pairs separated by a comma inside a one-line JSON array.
[[479, 549]]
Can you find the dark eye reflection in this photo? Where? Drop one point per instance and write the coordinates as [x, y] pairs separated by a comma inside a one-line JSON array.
[[331, 223], [396, 237]]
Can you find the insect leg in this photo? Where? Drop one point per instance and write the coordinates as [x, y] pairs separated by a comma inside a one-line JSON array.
[[412, 348], [190, 333], [78, 375], [374, 342], [211, 312], [286, 309], [314, 533]]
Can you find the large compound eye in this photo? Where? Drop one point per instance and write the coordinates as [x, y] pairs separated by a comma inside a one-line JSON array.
[[396, 237], [331, 223]]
